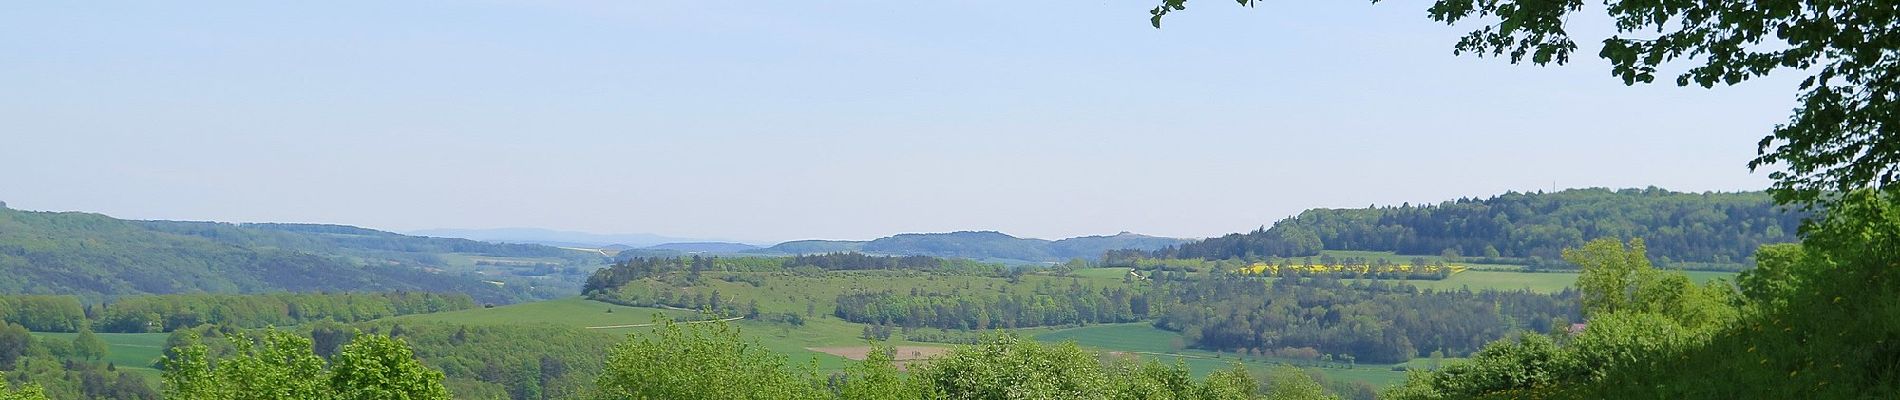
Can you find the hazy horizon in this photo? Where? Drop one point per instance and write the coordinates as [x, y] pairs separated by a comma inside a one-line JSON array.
[[851, 120]]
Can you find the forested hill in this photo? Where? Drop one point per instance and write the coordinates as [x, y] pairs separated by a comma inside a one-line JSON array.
[[1533, 228], [981, 245], [97, 257]]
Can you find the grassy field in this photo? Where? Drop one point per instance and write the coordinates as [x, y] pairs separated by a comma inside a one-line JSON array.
[[814, 296], [1114, 274], [1149, 342], [803, 345], [820, 331], [130, 352]]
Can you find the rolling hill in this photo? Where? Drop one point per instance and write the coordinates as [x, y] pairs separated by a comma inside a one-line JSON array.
[[553, 237], [980, 245], [97, 257], [1698, 230]]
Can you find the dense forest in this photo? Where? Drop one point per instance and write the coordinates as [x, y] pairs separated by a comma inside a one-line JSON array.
[[1812, 320], [1362, 317], [689, 269], [1696, 230], [1045, 305], [1363, 320], [99, 257], [166, 313]]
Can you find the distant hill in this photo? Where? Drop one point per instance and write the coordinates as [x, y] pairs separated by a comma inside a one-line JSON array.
[[1532, 228], [97, 256], [814, 247], [704, 247], [554, 237], [981, 245], [1090, 247]]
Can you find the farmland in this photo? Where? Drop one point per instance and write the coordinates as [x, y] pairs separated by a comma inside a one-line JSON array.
[[824, 337], [132, 352], [813, 297]]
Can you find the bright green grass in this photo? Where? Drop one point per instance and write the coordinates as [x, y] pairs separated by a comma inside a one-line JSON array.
[[130, 352], [1150, 342], [1113, 274]]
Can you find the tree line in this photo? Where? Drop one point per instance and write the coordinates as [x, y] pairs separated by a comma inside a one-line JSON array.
[[1045, 305], [1708, 230], [690, 268], [1812, 320], [1363, 320], [98, 258], [165, 313]]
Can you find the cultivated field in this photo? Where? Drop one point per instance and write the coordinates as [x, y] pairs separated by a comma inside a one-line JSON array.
[[832, 344], [130, 352]]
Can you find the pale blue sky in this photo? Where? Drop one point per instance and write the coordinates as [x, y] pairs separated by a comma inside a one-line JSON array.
[[768, 121]]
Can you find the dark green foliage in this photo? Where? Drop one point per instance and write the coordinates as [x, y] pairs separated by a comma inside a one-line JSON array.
[[1044, 306], [15, 341], [1372, 321], [164, 313], [44, 313], [684, 271], [1532, 228], [98, 257], [1817, 320], [344, 239]]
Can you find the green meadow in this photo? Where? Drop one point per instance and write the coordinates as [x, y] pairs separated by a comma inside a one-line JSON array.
[[132, 352]]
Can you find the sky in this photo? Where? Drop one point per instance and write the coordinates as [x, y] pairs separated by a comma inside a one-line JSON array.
[[771, 121]]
